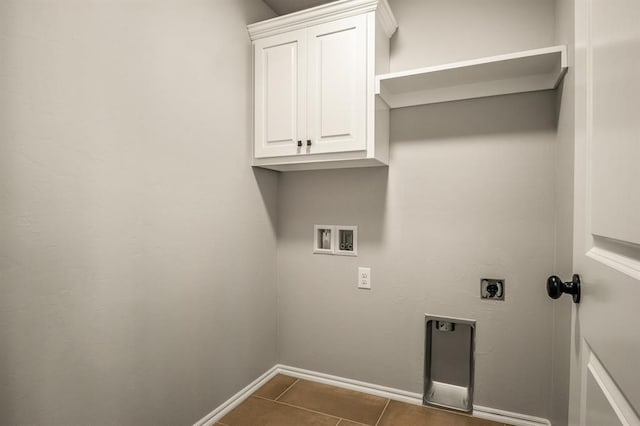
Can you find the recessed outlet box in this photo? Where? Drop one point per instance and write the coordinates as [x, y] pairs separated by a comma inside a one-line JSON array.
[[346, 240], [492, 288], [323, 239]]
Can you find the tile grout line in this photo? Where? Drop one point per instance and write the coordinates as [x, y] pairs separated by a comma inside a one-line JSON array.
[[358, 423], [340, 420], [287, 389], [277, 400], [354, 422], [383, 410], [295, 406]]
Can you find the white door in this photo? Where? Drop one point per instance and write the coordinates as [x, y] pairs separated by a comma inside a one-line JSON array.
[[337, 86], [280, 94], [606, 325]]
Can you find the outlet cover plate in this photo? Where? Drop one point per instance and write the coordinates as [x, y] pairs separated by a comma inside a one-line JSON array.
[[364, 278]]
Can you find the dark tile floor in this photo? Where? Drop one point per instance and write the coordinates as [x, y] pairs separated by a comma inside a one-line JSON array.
[[287, 401]]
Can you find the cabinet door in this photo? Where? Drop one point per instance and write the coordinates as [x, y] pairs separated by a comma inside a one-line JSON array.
[[337, 86], [280, 94]]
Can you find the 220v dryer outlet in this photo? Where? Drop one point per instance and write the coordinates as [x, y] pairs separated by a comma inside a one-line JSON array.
[[492, 288]]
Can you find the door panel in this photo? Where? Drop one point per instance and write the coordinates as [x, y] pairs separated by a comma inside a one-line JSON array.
[[604, 403], [615, 41], [599, 409], [280, 96], [606, 379], [338, 86]]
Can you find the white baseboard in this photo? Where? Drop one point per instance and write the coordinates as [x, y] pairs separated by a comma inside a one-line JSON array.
[[501, 416], [231, 403], [355, 385], [508, 417]]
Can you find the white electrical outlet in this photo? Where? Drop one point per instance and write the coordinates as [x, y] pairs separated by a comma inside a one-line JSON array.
[[364, 278]]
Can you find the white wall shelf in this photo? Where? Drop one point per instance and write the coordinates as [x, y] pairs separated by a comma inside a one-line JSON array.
[[526, 71]]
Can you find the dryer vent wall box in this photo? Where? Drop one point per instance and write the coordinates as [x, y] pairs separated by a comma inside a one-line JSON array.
[[449, 363], [315, 105]]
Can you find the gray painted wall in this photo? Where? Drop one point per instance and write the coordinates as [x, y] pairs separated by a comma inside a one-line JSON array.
[[137, 263], [470, 193], [137, 249], [433, 32]]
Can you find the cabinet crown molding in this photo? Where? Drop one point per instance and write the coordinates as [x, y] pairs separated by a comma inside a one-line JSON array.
[[324, 13]]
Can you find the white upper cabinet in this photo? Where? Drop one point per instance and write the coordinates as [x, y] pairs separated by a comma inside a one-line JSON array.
[[314, 87]]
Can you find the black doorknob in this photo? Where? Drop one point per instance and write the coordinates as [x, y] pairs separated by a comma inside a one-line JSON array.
[[555, 287], [299, 143], [308, 142]]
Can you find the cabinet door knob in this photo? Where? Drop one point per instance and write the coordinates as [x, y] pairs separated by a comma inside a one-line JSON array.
[[308, 142], [299, 143]]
